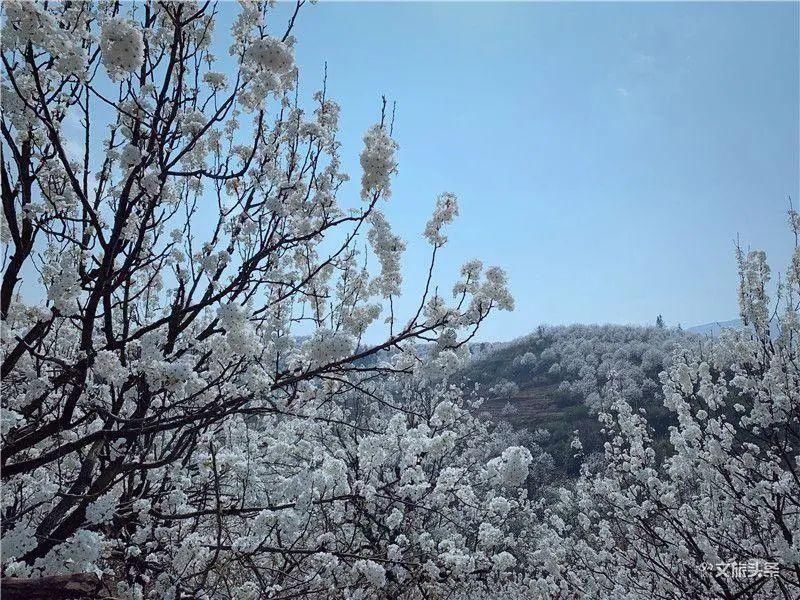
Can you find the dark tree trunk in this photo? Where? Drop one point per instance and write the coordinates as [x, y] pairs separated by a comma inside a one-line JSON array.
[[57, 587]]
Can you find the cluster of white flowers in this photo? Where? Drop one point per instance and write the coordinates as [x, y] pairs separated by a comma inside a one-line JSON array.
[[372, 572], [394, 520], [327, 346], [129, 157], [102, 510], [239, 334], [489, 535], [18, 540], [511, 467], [107, 366], [193, 122], [271, 55], [210, 261], [446, 210], [503, 561], [377, 162], [64, 284], [26, 21], [79, 554], [121, 47], [496, 288], [217, 81], [754, 275], [526, 360], [470, 278], [504, 389], [499, 506], [171, 375], [389, 249], [268, 69]]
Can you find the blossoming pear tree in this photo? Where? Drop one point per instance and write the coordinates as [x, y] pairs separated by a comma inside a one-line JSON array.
[[190, 407]]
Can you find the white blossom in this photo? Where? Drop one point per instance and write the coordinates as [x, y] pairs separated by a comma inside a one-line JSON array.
[[121, 47], [378, 162]]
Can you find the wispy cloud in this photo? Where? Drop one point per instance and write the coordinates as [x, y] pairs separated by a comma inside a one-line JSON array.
[[644, 63]]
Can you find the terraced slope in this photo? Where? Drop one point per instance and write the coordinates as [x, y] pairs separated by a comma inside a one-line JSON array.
[[557, 378]]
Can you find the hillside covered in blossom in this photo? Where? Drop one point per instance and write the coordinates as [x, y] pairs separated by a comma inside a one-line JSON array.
[[559, 379]]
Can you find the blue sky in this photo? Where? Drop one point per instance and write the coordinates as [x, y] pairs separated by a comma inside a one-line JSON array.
[[606, 155]]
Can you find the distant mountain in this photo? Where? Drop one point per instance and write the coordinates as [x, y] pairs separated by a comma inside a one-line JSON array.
[[715, 328]]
